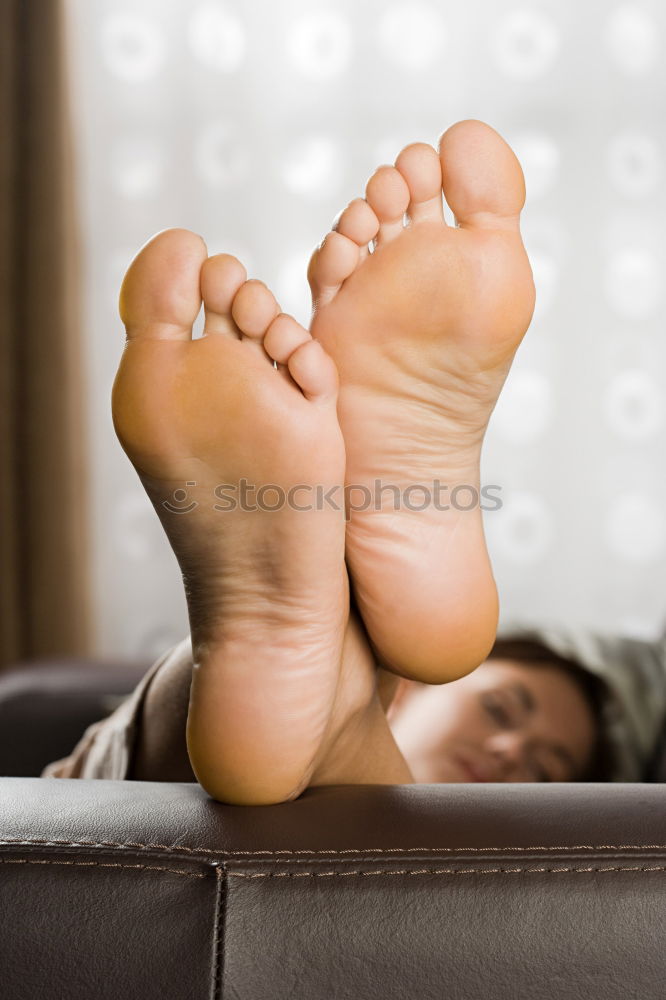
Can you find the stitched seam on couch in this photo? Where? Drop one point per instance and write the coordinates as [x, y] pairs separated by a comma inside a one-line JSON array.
[[218, 951], [181, 848], [447, 871], [99, 864], [419, 871]]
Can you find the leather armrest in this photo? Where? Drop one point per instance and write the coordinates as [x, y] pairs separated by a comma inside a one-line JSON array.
[[46, 705], [152, 890]]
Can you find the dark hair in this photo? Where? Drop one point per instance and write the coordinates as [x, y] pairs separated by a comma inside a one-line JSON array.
[[531, 652]]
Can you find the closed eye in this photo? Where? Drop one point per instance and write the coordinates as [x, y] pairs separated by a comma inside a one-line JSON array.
[[497, 711]]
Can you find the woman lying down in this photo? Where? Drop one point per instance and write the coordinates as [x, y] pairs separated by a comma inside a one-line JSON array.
[[548, 704]]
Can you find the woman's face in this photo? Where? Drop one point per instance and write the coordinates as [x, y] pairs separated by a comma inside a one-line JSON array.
[[506, 721]]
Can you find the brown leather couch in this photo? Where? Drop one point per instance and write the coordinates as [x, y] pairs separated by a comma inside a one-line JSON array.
[[466, 892], [45, 706], [126, 890]]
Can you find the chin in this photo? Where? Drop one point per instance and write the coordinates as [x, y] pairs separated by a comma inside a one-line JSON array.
[[443, 774]]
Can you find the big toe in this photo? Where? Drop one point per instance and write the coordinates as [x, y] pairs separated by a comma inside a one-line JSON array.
[[482, 179], [160, 295]]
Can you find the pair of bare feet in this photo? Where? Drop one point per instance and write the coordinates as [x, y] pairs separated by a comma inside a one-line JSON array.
[[392, 388]]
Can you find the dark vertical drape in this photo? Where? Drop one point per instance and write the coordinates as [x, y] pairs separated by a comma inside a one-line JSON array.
[[43, 590]]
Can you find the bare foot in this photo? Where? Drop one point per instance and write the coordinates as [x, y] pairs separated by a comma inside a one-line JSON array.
[[423, 331], [266, 590]]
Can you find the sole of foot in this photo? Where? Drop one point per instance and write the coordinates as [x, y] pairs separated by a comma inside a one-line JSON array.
[[422, 320], [253, 401]]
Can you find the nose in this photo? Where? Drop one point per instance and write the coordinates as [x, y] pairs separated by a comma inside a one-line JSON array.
[[508, 750]]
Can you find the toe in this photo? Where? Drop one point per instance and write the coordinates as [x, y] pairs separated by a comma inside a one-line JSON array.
[[388, 196], [221, 278], [253, 309], [481, 176], [160, 296], [420, 167], [314, 372], [283, 336], [330, 265], [358, 222]]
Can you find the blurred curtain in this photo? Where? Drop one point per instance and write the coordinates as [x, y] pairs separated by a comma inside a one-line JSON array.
[[43, 589]]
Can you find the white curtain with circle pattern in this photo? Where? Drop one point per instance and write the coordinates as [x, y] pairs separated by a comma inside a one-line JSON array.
[[253, 123]]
